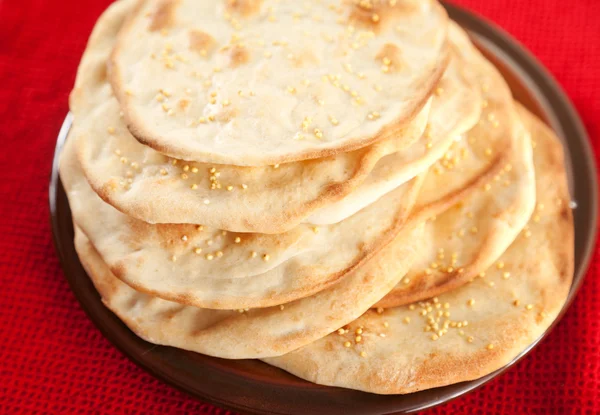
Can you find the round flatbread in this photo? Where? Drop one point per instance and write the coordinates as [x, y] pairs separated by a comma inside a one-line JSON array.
[[255, 83]]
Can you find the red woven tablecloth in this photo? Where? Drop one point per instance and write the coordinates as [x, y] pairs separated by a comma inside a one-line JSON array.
[[52, 358]]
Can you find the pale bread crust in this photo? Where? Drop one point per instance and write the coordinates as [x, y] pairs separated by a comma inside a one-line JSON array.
[[499, 208], [413, 98], [253, 333], [408, 360]]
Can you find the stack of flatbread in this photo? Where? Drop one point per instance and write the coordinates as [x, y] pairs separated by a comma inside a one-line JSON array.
[[344, 189]]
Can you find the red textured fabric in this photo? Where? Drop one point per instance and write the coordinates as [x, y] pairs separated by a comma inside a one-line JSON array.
[[52, 358]]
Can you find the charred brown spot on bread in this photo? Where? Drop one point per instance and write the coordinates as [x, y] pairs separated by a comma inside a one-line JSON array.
[[167, 235], [182, 298], [112, 286], [376, 15], [226, 114], [244, 8], [368, 278], [201, 42], [566, 268], [390, 56], [238, 55], [183, 103], [303, 58], [173, 232], [101, 73], [163, 16], [564, 213], [137, 238], [110, 186], [119, 269]]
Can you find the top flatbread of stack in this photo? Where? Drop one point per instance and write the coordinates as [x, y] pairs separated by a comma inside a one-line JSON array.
[[473, 330], [347, 75], [157, 189]]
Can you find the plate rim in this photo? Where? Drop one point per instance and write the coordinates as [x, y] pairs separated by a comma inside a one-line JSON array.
[[546, 89]]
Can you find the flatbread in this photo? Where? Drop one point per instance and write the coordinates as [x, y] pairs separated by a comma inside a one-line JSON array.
[[469, 160], [455, 109], [466, 239], [490, 321], [470, 228], [211, 268], [347, 75], [258, 332], [487, 145], [147, 185]]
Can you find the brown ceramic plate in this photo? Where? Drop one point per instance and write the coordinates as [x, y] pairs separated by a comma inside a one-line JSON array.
[[253, 387]]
